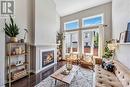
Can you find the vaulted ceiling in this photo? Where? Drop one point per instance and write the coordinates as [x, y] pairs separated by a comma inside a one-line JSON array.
[[66, 7]]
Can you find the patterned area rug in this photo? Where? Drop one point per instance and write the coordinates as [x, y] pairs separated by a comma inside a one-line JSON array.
[[84, 78]]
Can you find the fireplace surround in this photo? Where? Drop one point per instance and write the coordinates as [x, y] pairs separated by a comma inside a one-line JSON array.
[[43, 57], [47, 57]]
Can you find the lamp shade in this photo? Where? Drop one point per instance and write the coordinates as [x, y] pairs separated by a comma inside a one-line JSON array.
[[112, 46]]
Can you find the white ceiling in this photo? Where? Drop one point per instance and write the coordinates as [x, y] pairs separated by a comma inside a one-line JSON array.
[[66, 7]]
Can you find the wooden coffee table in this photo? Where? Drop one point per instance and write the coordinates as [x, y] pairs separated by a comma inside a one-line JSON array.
[[65, 78]]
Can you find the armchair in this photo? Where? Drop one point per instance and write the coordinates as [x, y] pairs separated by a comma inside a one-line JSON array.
[[87, 61]]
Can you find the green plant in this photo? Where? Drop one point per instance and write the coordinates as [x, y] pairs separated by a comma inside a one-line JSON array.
[[11, 29], [59, 39], [108, 53]]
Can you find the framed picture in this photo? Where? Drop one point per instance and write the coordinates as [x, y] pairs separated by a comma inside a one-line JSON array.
[[122, 37], [128, 27], [127, 37]]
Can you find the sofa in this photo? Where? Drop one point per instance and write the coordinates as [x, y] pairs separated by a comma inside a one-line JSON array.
[[119, 78], [87, 61]]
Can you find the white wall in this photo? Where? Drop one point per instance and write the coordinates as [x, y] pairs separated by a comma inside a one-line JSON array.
[[45, 22], [2, 52], [23, 21], [121, 17]]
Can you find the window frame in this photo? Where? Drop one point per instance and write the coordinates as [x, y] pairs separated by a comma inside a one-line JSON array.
[[77, 20], [73, 32], [91, 53], [90, 17]]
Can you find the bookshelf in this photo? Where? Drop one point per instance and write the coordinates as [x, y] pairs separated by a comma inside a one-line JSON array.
[[18, 61]]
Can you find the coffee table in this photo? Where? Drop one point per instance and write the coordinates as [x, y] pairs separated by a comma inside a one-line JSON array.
[[65, 78]]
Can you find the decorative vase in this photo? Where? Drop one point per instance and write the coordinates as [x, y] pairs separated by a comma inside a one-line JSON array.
[[13, 39], [20, 50], [17, 51], [69, 66], [22, 40]]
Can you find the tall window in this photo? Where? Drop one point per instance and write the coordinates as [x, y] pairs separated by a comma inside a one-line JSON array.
[[90, 42], [83, 40], [71, 42], [71, 25], [92, 21]]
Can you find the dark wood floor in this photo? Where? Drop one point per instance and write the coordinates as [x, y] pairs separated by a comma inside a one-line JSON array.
[[36, 78]]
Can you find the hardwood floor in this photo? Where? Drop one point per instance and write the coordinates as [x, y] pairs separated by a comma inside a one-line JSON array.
[[36, 78]]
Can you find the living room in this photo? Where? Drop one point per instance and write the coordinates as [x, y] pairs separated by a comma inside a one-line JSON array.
[[64, 43]]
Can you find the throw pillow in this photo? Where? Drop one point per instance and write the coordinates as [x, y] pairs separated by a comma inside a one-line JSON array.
[[108, 66], [88, 58]]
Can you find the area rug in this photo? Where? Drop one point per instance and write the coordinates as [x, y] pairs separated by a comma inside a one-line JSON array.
[[84, 78]]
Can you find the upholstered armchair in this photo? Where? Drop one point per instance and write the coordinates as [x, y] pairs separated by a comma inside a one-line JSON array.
[[87, 61]]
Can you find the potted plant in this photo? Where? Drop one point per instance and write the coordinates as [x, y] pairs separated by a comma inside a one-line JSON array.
[[108, 53], [59, 39], [11, 30]]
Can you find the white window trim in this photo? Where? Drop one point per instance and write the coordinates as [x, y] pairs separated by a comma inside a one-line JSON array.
[[71, 22], [100, 15]]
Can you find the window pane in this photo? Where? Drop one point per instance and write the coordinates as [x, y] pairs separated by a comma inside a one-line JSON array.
[[71, 42], [74, 42], [91, 42], [67, 42], [87, 42], [92, 21], [71, 25], [96, 43]]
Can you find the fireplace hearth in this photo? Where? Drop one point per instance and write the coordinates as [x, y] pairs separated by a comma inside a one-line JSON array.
[[47, 58]]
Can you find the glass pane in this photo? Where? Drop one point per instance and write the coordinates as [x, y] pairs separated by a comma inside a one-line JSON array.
[[74, 42], [71, 42], [71, 25], [87, 42], [96, 43], [67, 43], [92, 21]]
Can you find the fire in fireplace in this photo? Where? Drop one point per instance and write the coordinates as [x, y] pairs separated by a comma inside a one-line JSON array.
[[47, 57]]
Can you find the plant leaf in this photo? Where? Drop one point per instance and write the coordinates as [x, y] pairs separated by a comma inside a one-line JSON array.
[[11, 29]]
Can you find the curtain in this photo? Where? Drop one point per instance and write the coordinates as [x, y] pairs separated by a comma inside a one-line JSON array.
[[101, 41]]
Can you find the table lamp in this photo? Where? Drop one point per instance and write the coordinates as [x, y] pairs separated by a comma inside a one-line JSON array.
[[112, 47]]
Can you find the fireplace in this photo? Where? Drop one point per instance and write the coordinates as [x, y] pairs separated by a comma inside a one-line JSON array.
[[47, 57]]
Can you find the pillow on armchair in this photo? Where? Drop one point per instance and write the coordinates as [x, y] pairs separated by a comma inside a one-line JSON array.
[[88, 58], [72, 57]]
